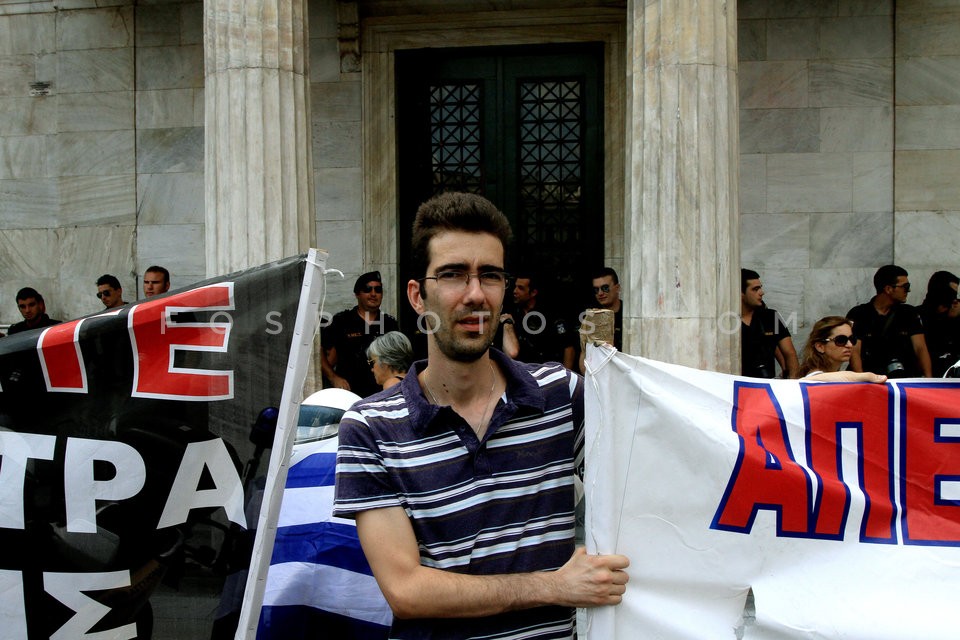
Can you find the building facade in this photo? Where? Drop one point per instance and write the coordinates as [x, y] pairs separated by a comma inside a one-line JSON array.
[[811, 140]]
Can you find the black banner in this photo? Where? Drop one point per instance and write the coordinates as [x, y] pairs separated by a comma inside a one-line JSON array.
[[127, 440]]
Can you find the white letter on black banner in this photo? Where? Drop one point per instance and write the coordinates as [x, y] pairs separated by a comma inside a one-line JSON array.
[[67, 588], [11, 605], [228, 491], [15, 450], [81, 491]]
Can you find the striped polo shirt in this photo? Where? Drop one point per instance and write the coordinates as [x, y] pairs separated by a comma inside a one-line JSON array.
[[504, 504]]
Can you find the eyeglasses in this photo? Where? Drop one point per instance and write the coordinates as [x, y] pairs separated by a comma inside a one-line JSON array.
[[456, 280], [371, 289], [905, 285], [604, 287], [100, 294], [841, 341], [371, 362]]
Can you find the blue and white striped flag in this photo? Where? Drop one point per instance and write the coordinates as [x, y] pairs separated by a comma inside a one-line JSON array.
[[319, 584]]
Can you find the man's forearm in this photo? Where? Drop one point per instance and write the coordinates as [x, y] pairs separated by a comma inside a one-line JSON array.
[[326, 367], [416, 591], [510, 345], [445, 594], [584, 581]]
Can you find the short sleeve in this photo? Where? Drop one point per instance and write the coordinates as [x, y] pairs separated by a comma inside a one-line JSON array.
[[913, 322], [329, 334], [362, 481]]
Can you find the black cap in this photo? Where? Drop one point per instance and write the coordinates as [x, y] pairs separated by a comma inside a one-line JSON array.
[[370, 276]]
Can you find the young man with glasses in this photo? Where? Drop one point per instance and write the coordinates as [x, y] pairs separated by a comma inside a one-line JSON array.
[[461, 477], [890, 330], [350, 332], [109, 291], [606, 290]]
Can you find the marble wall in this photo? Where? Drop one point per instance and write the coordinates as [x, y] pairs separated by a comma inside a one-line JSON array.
[[104, 174], [927, 137], [337, 144], [101, 165], [849, 147], [169, 139]]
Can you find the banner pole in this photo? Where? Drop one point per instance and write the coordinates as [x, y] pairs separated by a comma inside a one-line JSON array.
[[305, 329]]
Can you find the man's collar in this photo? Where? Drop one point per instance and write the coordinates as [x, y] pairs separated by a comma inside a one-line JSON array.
[[522, 390]]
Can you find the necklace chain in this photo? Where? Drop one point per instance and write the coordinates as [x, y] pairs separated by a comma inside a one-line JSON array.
[[486, 407]]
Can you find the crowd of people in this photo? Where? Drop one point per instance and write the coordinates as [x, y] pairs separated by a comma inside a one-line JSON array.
[[884, 335], [459, 467], [33, 308], [360, 341]]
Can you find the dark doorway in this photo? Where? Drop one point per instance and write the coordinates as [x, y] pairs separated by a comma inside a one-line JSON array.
[[522, 126]]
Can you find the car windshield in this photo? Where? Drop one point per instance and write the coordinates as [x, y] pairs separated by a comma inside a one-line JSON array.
[[317, 423]]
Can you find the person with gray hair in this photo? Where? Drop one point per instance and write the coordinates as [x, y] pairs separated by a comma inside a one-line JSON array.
[[389, 356]]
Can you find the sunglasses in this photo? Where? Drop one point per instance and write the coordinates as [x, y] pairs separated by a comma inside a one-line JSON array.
[[100, 294], [841, 341], [371, 289], [604, 287], [905, 285], [371, 362]]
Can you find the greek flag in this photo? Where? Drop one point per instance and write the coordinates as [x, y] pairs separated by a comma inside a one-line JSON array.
[[319, 584]]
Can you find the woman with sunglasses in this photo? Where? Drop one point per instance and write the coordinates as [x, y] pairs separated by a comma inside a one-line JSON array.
[[829, 346]]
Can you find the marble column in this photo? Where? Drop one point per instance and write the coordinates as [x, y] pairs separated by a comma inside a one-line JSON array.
[[258, 166], [682, 222]]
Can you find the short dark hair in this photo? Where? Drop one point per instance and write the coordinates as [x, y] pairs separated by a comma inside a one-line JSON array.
[[109, 280], [528, 274], [745, 276], [603, 272], [158, 269], [29, 292], [886, 276], [453, 211]]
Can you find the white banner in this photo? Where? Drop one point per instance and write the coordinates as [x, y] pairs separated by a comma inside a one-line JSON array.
[[837, 504]]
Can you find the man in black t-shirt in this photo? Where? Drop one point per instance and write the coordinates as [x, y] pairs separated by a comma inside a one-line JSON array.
[[350, 332], [532, 334], [34, 311], [890, 331], [606, 291], [763, 333]]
